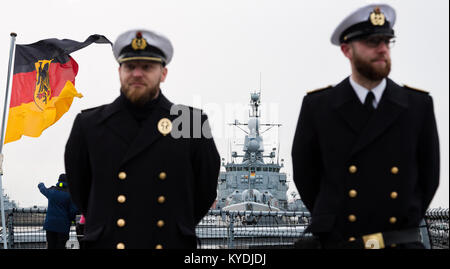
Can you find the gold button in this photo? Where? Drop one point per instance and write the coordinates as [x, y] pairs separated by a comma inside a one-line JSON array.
[[352, 169], [161, 199], [159, 246], [392, 220], [120, 246], [160, 223], [121, 199], [351, 218], [351, 239], [352, 193], [120, 222], [122, 175], [394, 170], [162, 175], [394, 195]]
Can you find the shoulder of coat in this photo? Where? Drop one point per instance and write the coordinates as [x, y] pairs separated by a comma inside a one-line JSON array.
[[319, 90], [91, 109], [414, 89]]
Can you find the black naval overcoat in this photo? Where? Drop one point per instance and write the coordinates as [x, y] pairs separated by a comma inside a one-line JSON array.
[[360, 174], [137, 187]]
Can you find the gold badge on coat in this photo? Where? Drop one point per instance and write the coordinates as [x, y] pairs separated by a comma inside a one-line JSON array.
[[377, 18], [164, 126]]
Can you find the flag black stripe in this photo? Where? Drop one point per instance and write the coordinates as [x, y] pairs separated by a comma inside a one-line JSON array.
[[59, 50]]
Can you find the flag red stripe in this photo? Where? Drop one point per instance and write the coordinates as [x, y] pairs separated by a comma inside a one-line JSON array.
[[24, 84]]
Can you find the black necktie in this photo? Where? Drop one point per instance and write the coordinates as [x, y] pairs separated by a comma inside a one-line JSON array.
[[368, 103]]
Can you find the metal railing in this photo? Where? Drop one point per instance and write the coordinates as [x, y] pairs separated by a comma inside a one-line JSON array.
[[437, 226], [251, 229], [221, 229]]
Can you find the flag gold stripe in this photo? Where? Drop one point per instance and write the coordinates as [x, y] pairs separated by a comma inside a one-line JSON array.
[[27, 119]]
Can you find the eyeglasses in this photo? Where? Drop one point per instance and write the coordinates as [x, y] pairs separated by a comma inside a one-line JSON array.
[[374, 42]]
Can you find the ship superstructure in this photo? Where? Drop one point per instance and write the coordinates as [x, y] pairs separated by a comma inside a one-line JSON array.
[[249, 181]]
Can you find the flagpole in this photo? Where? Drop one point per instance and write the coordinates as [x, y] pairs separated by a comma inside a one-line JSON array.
[[5, 110]]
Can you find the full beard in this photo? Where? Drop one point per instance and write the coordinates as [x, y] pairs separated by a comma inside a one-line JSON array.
[[369, 71], [140, 96]]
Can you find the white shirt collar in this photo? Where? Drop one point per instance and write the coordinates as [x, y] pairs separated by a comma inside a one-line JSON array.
[[362, 92]]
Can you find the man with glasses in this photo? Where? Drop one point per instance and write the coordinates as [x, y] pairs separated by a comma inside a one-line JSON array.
[[366, 151]]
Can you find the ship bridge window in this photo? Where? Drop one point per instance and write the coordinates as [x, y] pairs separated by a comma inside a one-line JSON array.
[[265, 169], [239, 168], [252, 169], [258, 168], [270, 169], [234, 168], [245, 168]]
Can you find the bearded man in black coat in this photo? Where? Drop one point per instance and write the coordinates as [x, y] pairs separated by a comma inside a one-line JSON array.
[[142, 173]]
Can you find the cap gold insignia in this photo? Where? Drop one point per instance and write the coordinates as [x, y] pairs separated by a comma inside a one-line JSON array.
[[377, 18], [164, 126], [139, 43]]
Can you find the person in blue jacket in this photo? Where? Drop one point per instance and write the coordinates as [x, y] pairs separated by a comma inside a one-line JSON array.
[[61, 211]]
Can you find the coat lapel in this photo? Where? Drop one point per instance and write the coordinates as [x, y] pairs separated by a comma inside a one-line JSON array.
[[119, 121], [149, 133], [392, 104], [346, 103]]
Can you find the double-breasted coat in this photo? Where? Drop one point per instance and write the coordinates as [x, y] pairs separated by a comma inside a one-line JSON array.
[[137, 187], [361, 173]]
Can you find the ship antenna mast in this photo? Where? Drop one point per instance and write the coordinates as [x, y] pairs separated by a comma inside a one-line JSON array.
[[278, 148], [260, 87]]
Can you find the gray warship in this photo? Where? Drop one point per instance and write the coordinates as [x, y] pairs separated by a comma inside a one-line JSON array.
[[253, 181], [8, 204]]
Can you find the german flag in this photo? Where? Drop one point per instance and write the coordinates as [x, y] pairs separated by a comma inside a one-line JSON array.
[[43, 85]]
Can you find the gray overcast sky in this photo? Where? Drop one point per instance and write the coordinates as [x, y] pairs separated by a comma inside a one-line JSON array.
[[221, 47]]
